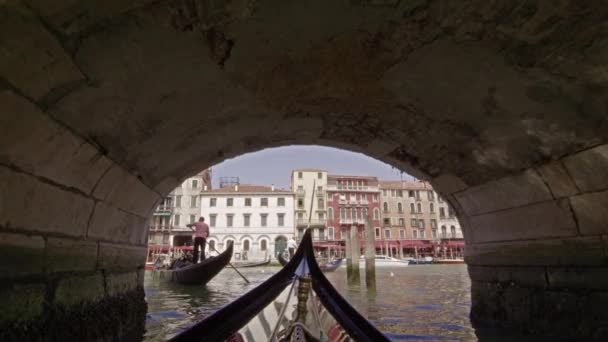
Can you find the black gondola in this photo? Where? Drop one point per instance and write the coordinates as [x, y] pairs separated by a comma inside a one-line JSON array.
[[196, 274], [251, 264], [263, 313]]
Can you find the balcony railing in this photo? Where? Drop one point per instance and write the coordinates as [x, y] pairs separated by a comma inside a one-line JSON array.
[[313, 223], [156, 228], [320, 193], [352, 221], [300, 193], [364, 202]]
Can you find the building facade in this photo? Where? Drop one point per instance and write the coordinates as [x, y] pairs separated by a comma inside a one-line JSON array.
[[351, 200], [258, 219], [309, 186], [416, 220], [180, 207]]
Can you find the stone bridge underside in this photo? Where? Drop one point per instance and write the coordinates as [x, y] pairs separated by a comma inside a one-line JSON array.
[[106, 105]]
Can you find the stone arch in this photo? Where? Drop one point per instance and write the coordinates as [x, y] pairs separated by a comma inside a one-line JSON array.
[[519, 152]]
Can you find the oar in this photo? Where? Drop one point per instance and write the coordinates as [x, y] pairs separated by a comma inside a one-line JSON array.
[[234, 268]]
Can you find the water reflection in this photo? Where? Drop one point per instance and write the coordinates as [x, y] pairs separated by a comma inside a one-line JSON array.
[[417, 303]]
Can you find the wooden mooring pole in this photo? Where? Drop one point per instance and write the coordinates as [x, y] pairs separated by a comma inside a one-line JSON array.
[[352, 271], [370, 255]]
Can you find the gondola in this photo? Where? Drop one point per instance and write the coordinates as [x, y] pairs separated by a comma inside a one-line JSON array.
[[196, 274], [297, 303], [251, 264]]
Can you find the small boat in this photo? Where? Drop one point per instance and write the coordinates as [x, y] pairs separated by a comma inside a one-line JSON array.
[[331, 266], [296, 304], [419, 261], [251, 264], [196, 274], [448, 261], [384, 261]]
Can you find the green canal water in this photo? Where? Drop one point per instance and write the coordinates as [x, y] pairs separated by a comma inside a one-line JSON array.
[[416, 303]]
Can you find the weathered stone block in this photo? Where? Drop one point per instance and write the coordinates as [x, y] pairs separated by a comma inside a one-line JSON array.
[[547, 219], [21, 254], [35, 65], [448, 183], [79, 289], [70, 255], [114, 256], [585, 251], [119, 283], [122, 190], [52, 151], [512, 275], [591, 211], [508, 192], [588, 168], [36, 205], [558, 179], [111, 224], [584, 278], [21, 302]]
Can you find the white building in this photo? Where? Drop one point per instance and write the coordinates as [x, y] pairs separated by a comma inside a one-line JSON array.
[[449, 227], [310, 206], [258, 219], [180, 207]]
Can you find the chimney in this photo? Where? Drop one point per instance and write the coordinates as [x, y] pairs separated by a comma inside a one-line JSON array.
[[236, 187], [205, 188], [271, 187]]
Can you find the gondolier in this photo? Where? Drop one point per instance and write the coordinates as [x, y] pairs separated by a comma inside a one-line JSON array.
[[201, 232], [291, 247]]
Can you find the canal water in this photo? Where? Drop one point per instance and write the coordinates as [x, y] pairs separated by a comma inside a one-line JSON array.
[[416, 303]]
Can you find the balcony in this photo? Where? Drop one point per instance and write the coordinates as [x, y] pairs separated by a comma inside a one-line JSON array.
[[350, 221], [300, 193], [320, 193], [314, 223], [364, 202], [163, 210]]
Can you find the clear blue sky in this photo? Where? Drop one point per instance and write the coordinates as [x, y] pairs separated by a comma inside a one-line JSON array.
[[274, 165]]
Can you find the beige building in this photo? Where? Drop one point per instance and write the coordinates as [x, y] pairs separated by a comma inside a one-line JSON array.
[[180, 207], [310, 206], [415, 218]]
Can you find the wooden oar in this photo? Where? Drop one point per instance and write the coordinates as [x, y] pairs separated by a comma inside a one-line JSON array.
[[234, 268]]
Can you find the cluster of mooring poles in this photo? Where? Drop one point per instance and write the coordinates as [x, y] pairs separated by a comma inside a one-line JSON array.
[[352, 250]]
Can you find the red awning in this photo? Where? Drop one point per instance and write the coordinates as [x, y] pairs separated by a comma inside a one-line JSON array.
[[455, 244], [416, 243], [327, 245]]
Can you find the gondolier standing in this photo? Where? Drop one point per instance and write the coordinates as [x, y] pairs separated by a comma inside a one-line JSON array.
[[201, 232], [291, 247]]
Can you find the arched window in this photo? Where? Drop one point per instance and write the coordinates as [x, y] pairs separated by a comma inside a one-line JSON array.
[[246, 245], [342, 213], [211, 245], [330, 213], [419, 207], [415, 232], [364, 213], [264, 245], [444, 232], [353, 213], [376, 214], [400, 207], [412, 208], [453, 231], [227, 243], [432, 207], [385, 207]]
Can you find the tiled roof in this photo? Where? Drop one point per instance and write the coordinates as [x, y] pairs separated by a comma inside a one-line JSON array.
[[247, 188]]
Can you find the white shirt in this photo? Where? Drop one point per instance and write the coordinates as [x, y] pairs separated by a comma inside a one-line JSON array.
[[292, 243]]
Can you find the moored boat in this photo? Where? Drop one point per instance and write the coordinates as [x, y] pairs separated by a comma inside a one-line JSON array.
[[448, 261], [196, 274], [297, 303], [420, 261], [330, 266], [383, 261]]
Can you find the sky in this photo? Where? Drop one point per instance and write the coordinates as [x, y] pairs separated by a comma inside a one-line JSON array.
[[274, 165]]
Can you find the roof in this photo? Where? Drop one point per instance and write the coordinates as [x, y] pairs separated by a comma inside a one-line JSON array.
[[308, 170], [247, 188], [352, 177]]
